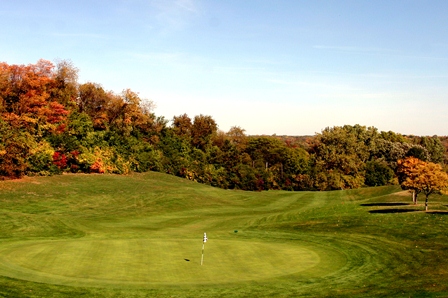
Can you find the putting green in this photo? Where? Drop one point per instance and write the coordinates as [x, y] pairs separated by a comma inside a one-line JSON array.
[[151, 261]]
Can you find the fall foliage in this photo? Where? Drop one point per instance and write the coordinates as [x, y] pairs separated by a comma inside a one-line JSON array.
[[51, 124], [424, 177], [407, 172]]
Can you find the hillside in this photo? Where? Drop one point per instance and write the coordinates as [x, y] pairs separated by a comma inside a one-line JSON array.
[[140, 234]]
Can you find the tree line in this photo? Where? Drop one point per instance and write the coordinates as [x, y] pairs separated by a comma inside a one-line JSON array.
[[52, 124]]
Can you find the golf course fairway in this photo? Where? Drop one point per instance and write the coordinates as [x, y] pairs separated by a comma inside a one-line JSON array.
[[141, 236]]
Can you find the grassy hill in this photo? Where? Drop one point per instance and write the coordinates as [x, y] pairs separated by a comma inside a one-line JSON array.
[[141, 235]]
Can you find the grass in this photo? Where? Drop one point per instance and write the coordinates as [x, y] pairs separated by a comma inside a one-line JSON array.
[[141, 236]]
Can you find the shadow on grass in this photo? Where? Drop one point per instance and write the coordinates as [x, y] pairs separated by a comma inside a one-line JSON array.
[[438, 212], [394, 210], [385, 204]]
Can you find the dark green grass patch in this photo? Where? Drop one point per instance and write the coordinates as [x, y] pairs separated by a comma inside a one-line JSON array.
[[141, 236]]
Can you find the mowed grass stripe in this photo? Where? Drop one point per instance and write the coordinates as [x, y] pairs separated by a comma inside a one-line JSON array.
[[155, 261]]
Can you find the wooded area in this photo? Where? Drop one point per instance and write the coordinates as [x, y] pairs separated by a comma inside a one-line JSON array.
[[51, 124]]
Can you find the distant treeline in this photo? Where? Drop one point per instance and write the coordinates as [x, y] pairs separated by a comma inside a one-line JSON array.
[[51, 124]]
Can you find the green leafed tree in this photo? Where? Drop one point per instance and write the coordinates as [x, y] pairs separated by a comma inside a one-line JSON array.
[[340, 154], [378, 173], [435, 148], [15, 147]]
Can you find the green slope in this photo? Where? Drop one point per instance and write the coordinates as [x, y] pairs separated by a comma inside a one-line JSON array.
[[141, 235]]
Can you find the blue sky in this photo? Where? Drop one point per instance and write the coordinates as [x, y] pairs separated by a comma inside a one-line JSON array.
[[270, 67]]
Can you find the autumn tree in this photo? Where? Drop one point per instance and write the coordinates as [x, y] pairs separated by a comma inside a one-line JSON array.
[[26, 97], [93, 100], [237, 137], [125, 113], [406, 170], [202, 131], [219, 139], [182, 125], [65, 84], [424, 177], [432, 179]]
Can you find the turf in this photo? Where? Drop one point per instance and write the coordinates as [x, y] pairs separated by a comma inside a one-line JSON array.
[[141, 236]]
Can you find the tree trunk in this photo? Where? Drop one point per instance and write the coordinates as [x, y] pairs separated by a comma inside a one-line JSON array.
[[426, 203]]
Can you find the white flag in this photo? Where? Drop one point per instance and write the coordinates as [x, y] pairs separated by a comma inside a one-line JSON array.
[[205, 238]]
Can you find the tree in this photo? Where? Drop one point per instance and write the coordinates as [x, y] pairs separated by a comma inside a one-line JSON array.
[[434, 147], [126, 115], [15, 148], [26, 97], [425, 177], [391, 151], [65, 85], [340, 154], [265, 151], [431, 179], [406, 169], [93, 101], [182, 125], [237, 137], [202, 131], [378, 173], [418, 152]]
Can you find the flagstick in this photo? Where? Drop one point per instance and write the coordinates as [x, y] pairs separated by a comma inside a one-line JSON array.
[[202, 258], [203, 245]]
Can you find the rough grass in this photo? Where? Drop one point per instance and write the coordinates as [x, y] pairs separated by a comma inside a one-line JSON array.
[[141, 236]]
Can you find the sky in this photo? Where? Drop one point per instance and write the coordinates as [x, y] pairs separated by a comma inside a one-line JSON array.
[[285, 67]]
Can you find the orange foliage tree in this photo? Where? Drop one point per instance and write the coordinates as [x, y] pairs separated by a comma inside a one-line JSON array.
[[26, 97], [425, 177], [406, 170]]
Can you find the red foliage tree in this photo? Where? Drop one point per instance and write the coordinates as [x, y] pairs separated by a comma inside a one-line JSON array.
[[25, 96]]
